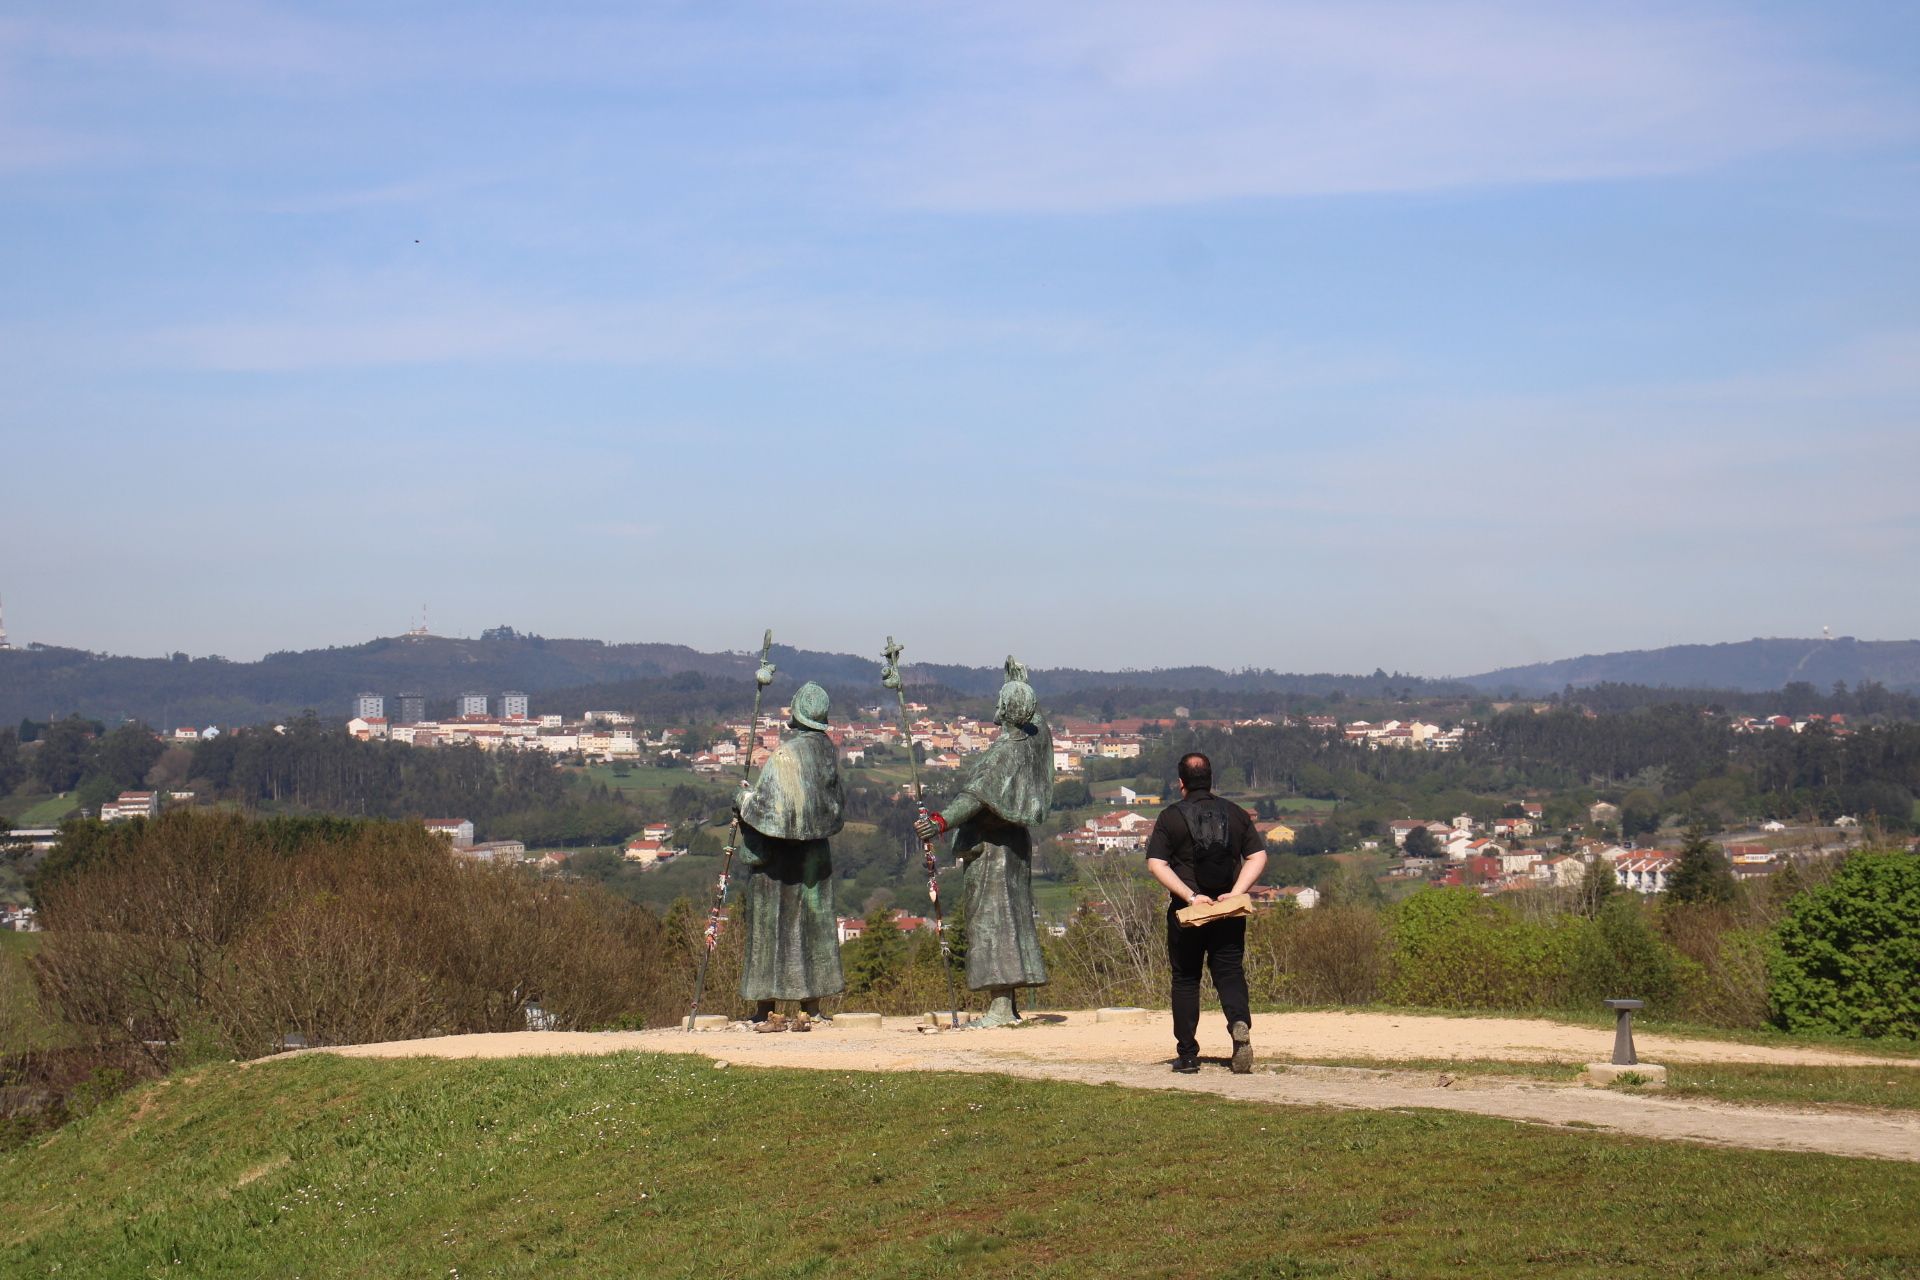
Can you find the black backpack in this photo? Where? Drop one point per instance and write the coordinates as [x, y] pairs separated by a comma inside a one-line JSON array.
[[1216, 863]]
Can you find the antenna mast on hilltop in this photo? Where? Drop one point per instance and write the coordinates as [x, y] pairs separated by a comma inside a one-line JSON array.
[[3, 629], [418, 631]]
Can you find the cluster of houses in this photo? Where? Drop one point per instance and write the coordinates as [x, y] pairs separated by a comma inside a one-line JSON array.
[[654, 847], [1790, 724], [604, 736], [1496, 862], [1403, 734], [19, 919]]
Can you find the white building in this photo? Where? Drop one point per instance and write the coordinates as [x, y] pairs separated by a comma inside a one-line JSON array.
[[470, 704], [1644, 872], [369, 706], [458, 831], [513, 706], [131, 804]]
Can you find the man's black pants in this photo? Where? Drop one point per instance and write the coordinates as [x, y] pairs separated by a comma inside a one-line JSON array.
[[1222, 948]]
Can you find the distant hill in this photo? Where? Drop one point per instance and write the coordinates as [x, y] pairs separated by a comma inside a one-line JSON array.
[[1750, 665], [45, 682]]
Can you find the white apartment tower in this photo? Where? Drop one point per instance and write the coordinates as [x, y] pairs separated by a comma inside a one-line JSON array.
[[471, 704], [370, 706], [513, 706]]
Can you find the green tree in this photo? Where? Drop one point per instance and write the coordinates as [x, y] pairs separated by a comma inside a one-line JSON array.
[[1702, 874], [877, 956], [1597, 885], [124, 756], [1071, 793], [1844, 957], [1421, 844], [1640, 813], [61, 757]]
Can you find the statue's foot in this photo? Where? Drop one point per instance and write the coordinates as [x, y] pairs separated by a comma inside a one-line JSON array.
[[1000, 1013]]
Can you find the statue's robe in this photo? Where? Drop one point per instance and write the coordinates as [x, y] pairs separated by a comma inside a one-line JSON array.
[[792, 935], [1013, 781]]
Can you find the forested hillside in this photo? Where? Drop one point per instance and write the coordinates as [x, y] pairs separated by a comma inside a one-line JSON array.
[[1750, 665], [46, 683]]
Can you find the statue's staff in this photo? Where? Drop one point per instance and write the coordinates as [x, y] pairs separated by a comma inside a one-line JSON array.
[[761, 679], [890, 677]]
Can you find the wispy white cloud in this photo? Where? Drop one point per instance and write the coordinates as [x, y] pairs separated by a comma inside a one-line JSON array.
[[1000, 106], [394, 325], [1061, 108]]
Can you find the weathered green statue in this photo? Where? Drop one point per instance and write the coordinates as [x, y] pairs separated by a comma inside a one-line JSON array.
[[1008, 790], [792, 938]]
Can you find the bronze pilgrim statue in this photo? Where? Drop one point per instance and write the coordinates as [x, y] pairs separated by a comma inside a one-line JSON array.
[[792, 942], [1008, 789]]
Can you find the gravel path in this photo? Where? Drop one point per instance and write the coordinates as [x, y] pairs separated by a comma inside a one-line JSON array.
[[1075, 1047]]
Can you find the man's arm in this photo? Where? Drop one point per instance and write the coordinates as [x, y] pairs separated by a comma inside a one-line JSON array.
[[1253, 857], [1250, 871], [1159, 845], [1162, 872]]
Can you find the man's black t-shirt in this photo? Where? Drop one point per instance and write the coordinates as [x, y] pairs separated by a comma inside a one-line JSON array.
[[1205, 840]]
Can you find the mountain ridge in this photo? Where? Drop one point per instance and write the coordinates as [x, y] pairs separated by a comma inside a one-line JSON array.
[[43, 682], [1758, 665]]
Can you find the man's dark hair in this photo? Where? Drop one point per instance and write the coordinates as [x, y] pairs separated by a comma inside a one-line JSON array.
[[1196, 772]]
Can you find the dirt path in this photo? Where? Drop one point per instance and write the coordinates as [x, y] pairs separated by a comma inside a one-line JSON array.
[[1075, 1047]]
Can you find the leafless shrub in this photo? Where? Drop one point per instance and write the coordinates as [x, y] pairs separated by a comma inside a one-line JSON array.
[[205, 924], [1328, 955]]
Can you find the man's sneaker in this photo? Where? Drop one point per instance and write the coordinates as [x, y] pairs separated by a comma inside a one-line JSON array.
[[1186, 1066], [1242, 1049]]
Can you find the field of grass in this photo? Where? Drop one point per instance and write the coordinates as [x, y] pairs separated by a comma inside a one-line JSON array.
[[645, 780], [24, 1025], [669, 1166], [1304, 804], [48, 812]]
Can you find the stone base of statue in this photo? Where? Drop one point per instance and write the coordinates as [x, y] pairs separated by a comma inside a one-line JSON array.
[[1639, 1075], [707, 1022], [944, 1018], [861, 1021], [1121, 1013]]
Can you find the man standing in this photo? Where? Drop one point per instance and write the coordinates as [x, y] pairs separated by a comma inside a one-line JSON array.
[[1204, 848], [792, 943]]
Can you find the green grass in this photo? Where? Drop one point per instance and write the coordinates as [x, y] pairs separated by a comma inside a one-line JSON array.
[[638, 1166], [47, 813], [24, 1024], [1303, 804], [646, 780]]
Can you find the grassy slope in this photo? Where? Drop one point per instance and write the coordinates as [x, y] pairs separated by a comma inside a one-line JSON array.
[[24, 1025], [48, 812], [669, 1167], [643, 782]]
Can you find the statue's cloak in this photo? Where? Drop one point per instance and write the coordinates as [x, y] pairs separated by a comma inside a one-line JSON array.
[[798, 795], [1013, 778]]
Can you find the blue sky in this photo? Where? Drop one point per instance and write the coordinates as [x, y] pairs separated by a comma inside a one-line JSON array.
[[1436, 337]]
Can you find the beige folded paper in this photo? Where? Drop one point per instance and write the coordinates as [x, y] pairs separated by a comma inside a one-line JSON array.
[[1234, 904]]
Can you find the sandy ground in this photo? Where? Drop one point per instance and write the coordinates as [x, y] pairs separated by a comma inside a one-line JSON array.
[[1075, 1047]]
